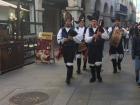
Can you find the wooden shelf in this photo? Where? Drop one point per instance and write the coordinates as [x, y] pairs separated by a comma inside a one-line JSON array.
[[11, 56]]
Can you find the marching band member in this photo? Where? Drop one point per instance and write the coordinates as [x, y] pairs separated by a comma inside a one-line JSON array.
[[67, 37], [82, 47], [95, 39], [116, 48]]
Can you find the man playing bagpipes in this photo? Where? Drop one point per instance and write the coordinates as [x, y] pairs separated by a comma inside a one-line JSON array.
[[82, 47], [116, 47], [67, 37], [95, 37]]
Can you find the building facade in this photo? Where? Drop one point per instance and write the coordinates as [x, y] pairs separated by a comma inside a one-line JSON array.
[[105, 9], [126, 10], [109, 9], [47, 15]]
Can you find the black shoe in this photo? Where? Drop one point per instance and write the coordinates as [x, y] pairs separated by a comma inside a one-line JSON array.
[[138, 85], [119, 67], [92, 80], [115, 71], [137, 78], [68, 82], [114, 62], [100, 80], [78, 72], [84, 69]]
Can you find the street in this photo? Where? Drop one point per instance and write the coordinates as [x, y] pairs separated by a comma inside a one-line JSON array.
[[116, 89]]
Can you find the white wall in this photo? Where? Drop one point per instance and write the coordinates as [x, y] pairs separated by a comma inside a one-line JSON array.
[[5, 13]]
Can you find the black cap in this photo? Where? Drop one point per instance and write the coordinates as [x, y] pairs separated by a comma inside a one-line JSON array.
[[117, 18], [81, 18], [72, 33], [95, 16], [68, 16]]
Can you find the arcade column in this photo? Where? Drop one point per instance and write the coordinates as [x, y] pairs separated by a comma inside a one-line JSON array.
[[74, 7]]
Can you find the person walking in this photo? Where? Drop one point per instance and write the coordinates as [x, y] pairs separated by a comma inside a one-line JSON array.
[[136, 53], [67, 38], [95, 37], [82, 47], [126, 40], [116, 51]]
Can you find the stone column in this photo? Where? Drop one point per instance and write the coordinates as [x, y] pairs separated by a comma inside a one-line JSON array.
[[74, 7], [32, 19], [39, 16]]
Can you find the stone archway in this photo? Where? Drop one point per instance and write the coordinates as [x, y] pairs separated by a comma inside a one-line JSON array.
[[83, 4], [130, 12], [97, 5], [111, 11], [106, 9]]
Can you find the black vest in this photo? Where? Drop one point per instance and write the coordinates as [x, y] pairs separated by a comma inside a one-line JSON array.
[[98, 43], [65, 33]]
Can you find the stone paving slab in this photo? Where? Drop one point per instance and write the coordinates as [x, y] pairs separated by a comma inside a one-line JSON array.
[[5, 92], [64, 96], [115, 102]]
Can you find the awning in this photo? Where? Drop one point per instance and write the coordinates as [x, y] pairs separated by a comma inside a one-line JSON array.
[[6, 4]]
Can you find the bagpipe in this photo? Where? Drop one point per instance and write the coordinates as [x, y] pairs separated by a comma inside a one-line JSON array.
[[59, 53], [116, 37], [100, 29]]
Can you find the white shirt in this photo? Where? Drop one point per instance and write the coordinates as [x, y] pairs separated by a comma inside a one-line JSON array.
[[127, 35], [89, 38], [80, 31]]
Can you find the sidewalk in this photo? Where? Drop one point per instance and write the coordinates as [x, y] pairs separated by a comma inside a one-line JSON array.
[[49, 83]]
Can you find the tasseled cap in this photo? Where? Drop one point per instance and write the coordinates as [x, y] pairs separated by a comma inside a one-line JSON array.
[[117, 18], [67, 16], [81, 18], [95, 16]]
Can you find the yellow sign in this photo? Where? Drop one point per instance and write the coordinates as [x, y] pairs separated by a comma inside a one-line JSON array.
[[46, 35]]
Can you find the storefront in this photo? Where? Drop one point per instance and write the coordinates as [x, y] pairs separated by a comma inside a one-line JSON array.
[[52, 16]]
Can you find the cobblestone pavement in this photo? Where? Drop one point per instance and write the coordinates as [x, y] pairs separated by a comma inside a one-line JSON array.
[[116, 89]]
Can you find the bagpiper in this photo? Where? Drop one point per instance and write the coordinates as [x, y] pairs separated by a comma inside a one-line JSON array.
[[82, 47], [95, 37], [67, 38], [116, 47]]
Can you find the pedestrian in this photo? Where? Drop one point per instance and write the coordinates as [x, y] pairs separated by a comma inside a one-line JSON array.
[[82, 47], [136, 53], [67, 37], [126, 40], [116, 47], [95, 37], [132, 31]]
